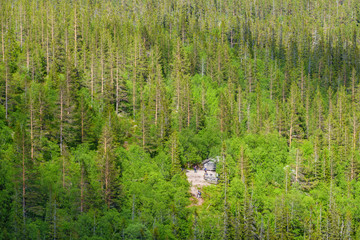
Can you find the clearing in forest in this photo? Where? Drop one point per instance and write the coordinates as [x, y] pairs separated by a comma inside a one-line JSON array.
[[196, 181]]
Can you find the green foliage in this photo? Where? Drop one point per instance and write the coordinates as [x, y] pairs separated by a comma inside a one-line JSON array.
[[137, 231], [104, 105]]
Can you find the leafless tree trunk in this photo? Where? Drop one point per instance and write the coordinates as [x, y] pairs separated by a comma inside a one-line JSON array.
[[134, 79], [75, 37], [23, 180], [31, 128], [6, 90]]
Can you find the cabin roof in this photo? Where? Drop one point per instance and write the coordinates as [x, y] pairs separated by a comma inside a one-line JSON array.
[[213, 160]]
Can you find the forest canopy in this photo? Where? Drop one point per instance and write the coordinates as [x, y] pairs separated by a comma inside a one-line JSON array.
[[105, 104]]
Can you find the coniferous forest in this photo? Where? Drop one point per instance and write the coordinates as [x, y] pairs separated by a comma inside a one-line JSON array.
[[104, 105]]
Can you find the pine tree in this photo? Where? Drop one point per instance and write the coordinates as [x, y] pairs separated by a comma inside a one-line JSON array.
[[85, 116], [224, 180], [180, 68], [250, 227], [329, 136], [333, 221], [174, 153], [136, 61], [243, 165], [354, 125], [22, 149], [295, 113], [106, 163]]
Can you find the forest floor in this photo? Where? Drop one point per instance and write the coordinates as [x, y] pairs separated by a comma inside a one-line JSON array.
[[197, 182]]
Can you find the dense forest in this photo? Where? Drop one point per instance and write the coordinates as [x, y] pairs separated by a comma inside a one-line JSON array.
[[105, 103]]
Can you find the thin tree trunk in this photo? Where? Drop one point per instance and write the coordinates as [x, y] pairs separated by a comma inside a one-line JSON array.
[[102, 72], [283, 88], [239, 104], [42, 32], [23, 180], [6, 91], [354, 146], [68, 89], [61, 121], [278, 118], [307, 118], [292, 117], [156, 104], [52, 36], [248, 117], [203, 92], [92, 77], [178, 94], [84, 56], [2, 43], [75, 37], [143, 120], [111, 76], [225, 199], [250, 79], [221, 115], [242, 170], [47, 54], [290, 132], [31, 129], [40, 114], [302, 84], [117, 85], [134, 80], [21, 26], [66, 41]]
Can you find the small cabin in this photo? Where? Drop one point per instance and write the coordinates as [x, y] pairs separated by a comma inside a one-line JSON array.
[[210, 164]]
